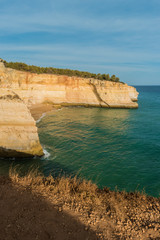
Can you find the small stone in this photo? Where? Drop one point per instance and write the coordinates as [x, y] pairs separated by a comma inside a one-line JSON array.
[[60, 209]]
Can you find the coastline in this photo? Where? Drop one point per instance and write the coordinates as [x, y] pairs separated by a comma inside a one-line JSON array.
[[42, 93], [75, 209], [38, 110]]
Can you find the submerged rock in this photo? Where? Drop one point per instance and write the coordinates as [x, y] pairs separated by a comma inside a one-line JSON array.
[[18, 132]]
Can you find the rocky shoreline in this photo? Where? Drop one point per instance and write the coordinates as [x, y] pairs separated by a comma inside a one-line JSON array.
[[24, 93]]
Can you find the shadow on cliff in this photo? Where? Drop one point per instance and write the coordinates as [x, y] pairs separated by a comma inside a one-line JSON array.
[[27, 216]]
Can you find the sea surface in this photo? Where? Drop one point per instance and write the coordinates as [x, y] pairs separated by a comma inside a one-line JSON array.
[[116, 148]]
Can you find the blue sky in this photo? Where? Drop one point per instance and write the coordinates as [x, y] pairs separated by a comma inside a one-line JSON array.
[[119, 37]]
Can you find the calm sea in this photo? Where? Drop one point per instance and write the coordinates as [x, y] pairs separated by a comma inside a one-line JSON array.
[[117, 148]]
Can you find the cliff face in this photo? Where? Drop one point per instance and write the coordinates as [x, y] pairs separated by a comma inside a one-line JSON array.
[[64, 90], [20, 90], [18, 132]]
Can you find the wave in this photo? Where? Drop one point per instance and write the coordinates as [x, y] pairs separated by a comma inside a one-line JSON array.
[[43, 115], [46, 154]]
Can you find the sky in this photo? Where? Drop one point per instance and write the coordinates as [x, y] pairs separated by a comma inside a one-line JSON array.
[[120, 37]]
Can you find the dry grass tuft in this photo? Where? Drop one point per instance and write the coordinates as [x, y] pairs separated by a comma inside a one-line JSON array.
[[113, 215]]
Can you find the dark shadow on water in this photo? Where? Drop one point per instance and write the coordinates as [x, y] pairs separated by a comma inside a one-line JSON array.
[[27, 216], [25, 165]]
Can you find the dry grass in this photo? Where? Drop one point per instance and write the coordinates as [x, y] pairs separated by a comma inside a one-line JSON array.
[[113, 215]]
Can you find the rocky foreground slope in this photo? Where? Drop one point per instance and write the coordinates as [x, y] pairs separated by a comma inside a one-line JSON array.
[[35, 207], [29, 89]]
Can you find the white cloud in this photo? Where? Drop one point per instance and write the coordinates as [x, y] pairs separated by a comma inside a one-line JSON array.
[[121, 43]]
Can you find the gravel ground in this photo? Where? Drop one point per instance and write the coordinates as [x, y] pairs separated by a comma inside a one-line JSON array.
[[35, 207]]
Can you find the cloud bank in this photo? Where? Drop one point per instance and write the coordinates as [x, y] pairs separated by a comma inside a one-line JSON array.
[[112, 37]]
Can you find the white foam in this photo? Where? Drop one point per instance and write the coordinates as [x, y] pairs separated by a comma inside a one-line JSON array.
[[43, 115], [46, 154]]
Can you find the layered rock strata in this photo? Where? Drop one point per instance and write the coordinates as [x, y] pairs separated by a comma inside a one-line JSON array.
[[21, 90], [65, 90], [18, 132]]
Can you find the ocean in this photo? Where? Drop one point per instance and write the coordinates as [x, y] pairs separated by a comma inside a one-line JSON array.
[[115, 148]]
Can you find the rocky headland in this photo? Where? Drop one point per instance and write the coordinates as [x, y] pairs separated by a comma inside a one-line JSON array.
[[21, 91], [18, 131], [38, 207]]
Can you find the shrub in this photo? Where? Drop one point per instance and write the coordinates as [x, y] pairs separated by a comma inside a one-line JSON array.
[[50, 70]]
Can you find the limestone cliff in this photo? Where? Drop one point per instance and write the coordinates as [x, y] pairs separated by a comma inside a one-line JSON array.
[[18, 132], [20, 90], [65, 90]]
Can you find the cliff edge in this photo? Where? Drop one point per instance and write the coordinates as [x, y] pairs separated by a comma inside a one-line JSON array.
[[20, 90], [64, 90]]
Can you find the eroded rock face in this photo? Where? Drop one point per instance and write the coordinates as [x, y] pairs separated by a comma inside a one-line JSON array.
[[20, 90], [64, 90], [18, 132]]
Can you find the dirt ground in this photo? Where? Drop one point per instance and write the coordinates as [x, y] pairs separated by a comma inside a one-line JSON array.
[[36, 207], [26, 216]]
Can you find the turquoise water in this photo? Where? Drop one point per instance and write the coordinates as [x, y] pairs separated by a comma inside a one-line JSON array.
[[112, 147]]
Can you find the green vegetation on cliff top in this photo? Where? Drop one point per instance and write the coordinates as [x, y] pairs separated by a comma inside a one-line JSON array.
[[50, 70]]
